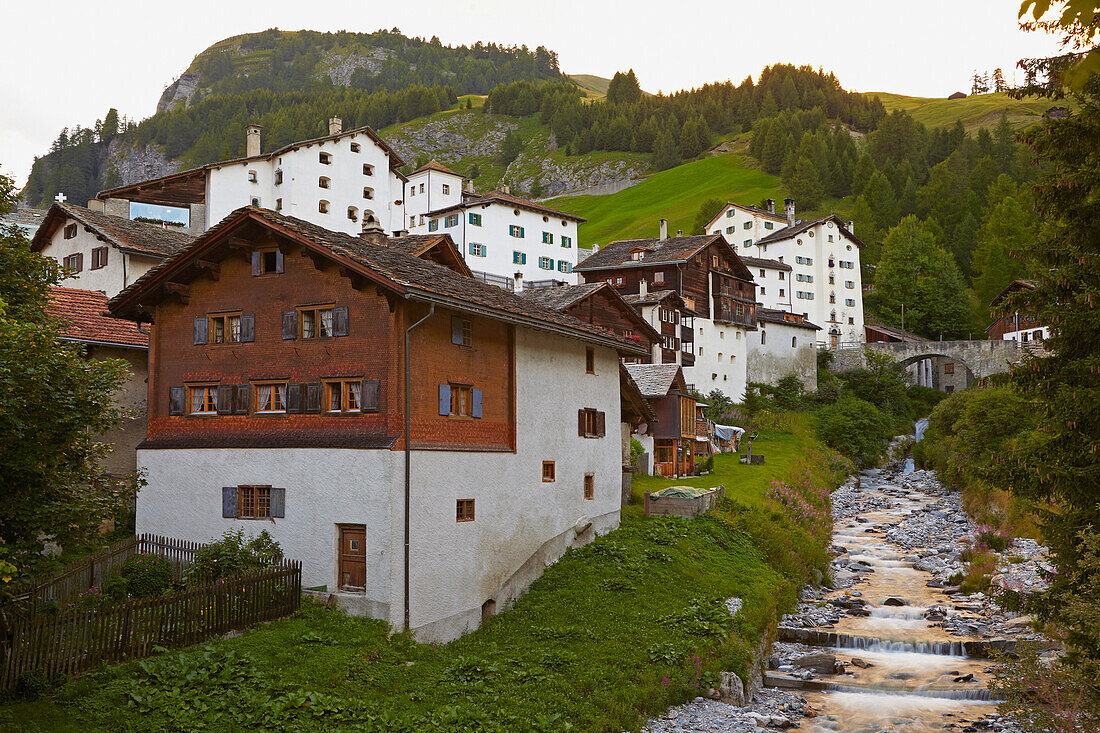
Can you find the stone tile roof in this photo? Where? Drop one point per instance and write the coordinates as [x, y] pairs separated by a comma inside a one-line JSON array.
[[506, 199], [84, 315], [563, 297], [799, 227], [395, 270], [895, 332], [770, 315], [436, 166], [653, 296], [764, 262], [656, 252], [147, 239], [654, 380]]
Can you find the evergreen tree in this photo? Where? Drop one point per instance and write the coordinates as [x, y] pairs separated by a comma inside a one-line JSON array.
[[624, 88], [999, 84], [880, 197], [864, 169], [707, 211], [510, 148], [1007, 234], [775, 149], [805, 184], [666, 152]]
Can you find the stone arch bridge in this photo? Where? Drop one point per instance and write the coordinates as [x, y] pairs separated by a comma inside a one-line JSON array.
[[982, 358]]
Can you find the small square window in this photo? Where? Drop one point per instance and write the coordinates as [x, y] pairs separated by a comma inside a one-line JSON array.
[[475, 219], [548, 474], [446, 189], [368, 170], [202, 399], [464, 510], [324, 158], [270, 398], [253, 502], [589, 487], [73, 264], [948, 368], [355, 147]]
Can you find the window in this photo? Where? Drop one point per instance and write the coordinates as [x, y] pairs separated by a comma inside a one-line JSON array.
[[851, 321], [949, 368], [658, 278], [224, 329], [368, 192], [546, 263], [590, 423], [477, 250], [353, 213], [566, 241], [70, 231], [355, 147], [271, 397], [446, 189], [850, 302], [618, 281], [850, 284], [794, 341], [519, 258], [344, 396], [782, 293], [451, 221], [637, 254], [202, 399], [515, 231], [252, 176], [763, 290], [763, 337], [748, 243], [255, 201], [589, 486], [547, 471], [729, 230], [324, 158], [99, 257], [433, 225], [269, 262], [547, 238], [464, 510], [461, 400], [832, 297], [565, 266], [279, 177], [715, 261], [278, 204], [421, 188], [317, 322], [73, 264], [253, 502], [461, 331], [368, 170], [590, 360], [322, 206], [475, 219], [769, 225], [830, 237], [747, 225]]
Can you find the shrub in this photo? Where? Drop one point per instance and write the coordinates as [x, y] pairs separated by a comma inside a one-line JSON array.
[[856, 428], [636, 450], [92, 599], [233, 555], [146, 575]]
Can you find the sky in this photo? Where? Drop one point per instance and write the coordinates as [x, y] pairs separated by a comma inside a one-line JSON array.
[[68, 62]]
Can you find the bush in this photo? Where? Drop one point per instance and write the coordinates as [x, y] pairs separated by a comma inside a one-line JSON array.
[[146, 575], [856, 428], [636, 450], [233, 555], [92, 599]]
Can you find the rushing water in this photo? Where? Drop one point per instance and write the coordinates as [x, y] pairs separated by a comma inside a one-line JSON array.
[[903, 669]]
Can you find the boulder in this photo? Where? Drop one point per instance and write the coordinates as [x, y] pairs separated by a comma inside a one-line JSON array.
[[892, 601], [731, 690], [819, 662]]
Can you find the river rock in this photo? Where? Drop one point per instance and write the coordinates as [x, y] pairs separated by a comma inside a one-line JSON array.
[[731, 689], [820, 662]]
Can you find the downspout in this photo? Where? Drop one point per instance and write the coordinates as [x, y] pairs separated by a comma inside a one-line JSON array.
[[408, 457]]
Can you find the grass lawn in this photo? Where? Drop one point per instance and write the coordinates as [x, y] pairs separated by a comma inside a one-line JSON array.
[[983, 110], [675, 194], [612, 633]]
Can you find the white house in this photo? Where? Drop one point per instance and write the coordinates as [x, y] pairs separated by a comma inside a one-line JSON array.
[[425, 443], [824, 283], [338, 181], [506, 240]]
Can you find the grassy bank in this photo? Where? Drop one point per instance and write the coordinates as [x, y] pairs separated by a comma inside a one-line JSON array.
[[612, 633]]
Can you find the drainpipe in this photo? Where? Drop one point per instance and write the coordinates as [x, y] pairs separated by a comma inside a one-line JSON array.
[[408, 457]]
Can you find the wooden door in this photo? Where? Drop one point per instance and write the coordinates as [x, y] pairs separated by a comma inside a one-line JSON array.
[[353, 557]]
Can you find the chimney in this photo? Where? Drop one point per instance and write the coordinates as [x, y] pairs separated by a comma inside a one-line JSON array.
[[517, 282], [372, 231], [335, 125], [852, 227], [469, 187], [664, 230], [252, 140], [769, 204], [788, 207], [643, 287], [679, 232], [506, 189]]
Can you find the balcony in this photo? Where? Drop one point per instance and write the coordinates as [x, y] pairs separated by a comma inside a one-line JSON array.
[[734, 310], [504, 283]]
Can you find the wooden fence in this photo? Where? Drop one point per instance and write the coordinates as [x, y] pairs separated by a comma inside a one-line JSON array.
[[72, 641]]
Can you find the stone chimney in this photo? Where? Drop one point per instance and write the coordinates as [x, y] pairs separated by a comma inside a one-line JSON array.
[[335, 125], [252, 140], [469, 186], [373, 232], [679, 232], [769, 204], [664, 230], [517, 282], [506, 189], [788, 208], [852, 227], [643, 287]]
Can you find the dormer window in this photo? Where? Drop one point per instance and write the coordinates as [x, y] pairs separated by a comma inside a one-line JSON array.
[[355, 147], [368, 170], [252, 176], [279, 177], [322, 206], [323, 182], [637, 254], [324, 158], [368, 193]]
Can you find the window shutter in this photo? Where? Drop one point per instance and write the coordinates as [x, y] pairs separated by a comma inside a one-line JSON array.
[[580, 422], [476, 399], [279, 261], [290, 325], [225, 399], [175, 400], [294, 398], [370, 395], [278, 503], [248, 327], [456, 330], [340, 321], [200, 331], [313, 397], [80, 262], [103, 256], [521, 232], [600, 424], [444, 399], [229, 501], [244, 394], [257, 263]]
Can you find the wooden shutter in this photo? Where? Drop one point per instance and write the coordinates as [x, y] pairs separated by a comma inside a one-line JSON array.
[[201, 329], [278, 503], [257, 263], [80, 262], [278, 261], [244, 399], [248, 327], [370, 395], [175, 400], [475, 409], [225, 399], [290, 325], [600, 424], [340, 321], [294, 398], [229, 501], [313, 397], [444, 399], [581, 422], [456, 330], [103, 256]]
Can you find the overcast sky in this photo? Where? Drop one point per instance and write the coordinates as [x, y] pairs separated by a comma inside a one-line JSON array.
[[66, 62]]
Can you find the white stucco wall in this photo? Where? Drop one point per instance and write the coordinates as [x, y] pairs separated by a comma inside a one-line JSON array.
[[424, 192], [721, 352], [121, 270], [773, 287], [776, 350]]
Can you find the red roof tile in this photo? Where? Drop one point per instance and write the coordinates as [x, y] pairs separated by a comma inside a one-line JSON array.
[[83, 314]]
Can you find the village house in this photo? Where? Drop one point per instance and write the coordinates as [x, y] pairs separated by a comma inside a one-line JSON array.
[[824, 283], [338, 181], [671, 440], [1016, 325], [98, 251], [601, 305], [404, 430], [508, 241], [665, 311]]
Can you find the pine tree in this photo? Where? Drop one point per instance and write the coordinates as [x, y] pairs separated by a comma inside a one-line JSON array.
[[775, 149], [880, 197], [805, 185], [666, 151], [865, 168], [999, 84], [1009, 229]]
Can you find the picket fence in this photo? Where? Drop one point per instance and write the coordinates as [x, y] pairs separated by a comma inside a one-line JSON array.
[[72, 641]]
